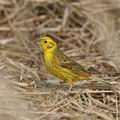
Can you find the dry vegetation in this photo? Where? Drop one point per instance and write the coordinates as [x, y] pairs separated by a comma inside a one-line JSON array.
[[88, 32]]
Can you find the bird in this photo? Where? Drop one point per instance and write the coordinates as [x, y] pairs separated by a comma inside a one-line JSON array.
[[60, 65]]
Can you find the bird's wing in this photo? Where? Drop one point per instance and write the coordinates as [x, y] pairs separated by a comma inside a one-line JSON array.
[[71, 65]]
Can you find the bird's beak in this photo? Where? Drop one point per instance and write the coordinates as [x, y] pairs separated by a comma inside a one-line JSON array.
[[38, 43]]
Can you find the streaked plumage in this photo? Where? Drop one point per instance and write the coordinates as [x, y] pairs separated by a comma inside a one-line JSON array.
[[59, 65]]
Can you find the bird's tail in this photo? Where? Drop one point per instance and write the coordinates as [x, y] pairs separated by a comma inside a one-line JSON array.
[[100, 80]]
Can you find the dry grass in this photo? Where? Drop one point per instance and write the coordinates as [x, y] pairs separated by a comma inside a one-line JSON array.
[[87, 31]]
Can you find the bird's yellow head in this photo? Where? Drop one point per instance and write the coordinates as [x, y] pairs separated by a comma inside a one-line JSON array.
[[48, 44]]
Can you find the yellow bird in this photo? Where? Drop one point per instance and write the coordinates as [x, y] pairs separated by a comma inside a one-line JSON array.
[[59, 65]]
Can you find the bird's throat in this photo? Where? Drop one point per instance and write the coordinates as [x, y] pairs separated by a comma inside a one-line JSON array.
[[50, 56]]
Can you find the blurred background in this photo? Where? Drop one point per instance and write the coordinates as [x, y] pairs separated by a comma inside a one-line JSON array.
[[87, 31]]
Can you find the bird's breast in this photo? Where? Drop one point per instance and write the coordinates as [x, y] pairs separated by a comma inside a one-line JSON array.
[[48, 58]]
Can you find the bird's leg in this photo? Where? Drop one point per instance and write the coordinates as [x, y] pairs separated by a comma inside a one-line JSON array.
[[70, 88]]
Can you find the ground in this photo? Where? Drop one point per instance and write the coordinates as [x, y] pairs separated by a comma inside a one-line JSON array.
[[87, 31]]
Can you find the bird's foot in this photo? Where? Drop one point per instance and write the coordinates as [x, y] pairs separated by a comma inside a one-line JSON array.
[[69, 91]]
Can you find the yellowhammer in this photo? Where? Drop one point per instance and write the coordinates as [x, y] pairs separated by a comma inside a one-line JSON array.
[[59, 65]]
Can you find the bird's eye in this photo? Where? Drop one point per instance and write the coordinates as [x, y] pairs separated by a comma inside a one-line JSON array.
[[45, 41]]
